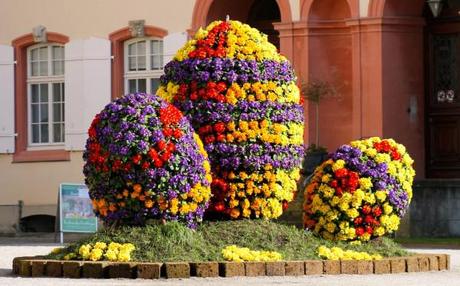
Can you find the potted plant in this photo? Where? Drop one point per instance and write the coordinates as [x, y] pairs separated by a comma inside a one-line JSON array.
[[315, 91]]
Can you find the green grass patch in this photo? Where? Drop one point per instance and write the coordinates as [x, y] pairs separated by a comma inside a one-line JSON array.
[[175, 242]]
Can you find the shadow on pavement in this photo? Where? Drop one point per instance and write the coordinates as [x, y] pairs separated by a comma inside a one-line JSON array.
[[5, 272]]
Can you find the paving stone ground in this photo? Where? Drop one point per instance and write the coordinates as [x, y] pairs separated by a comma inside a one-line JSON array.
[[445, 278]]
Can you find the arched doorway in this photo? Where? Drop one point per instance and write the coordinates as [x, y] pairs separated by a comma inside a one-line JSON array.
[[260, 14]]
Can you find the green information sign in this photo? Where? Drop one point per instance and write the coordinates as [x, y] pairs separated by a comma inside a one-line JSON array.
[[76, 211]]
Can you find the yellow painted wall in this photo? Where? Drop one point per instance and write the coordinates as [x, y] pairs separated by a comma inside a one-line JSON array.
[[81, 19], [37, 183]]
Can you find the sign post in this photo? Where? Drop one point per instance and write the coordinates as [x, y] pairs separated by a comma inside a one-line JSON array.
[[75, 210]]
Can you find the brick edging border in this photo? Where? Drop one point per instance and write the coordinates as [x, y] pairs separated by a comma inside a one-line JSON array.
[[37, 266]]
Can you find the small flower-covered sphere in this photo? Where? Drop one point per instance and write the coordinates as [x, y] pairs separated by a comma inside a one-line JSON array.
[[361, 192], [143, 161]]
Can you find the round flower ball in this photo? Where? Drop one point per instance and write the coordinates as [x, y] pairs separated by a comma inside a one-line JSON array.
[[361, 192], [241, 97], [143, 161]]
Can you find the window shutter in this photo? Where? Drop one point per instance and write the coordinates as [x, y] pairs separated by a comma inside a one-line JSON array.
[[87, 87], [7, 134], [171, 44]]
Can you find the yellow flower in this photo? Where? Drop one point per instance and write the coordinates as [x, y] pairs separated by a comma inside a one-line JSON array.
[[381, 195], [96, 254], [365, 183], [85, 251], [111, 255], [100, 245], [240, 254], [336, 253], [339, 164], [352, 213]]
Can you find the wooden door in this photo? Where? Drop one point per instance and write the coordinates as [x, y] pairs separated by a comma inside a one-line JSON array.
[[443, 96]]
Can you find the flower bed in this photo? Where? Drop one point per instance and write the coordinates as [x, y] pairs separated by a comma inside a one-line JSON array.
[[143, 161], [241, 97], [361, 192]]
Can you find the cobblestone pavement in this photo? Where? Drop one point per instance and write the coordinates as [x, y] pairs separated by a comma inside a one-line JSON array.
[[444, 278]]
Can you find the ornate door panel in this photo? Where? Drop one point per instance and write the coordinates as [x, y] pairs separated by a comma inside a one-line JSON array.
[[443, 101]]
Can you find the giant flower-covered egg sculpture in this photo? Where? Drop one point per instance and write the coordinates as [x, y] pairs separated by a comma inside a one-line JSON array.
[[241, 97], [143, 161], [361, 192]]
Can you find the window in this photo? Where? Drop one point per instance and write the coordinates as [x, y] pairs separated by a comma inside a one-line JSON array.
[[45, 95], [143, 65]]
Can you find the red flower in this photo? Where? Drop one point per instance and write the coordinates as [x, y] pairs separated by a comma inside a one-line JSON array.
[[359, 231], [171, 147], [137, 159], [127, 167], [92, 128], [145, 165], [377, 211], [165, 156], [369, 229], [395, 155], [220, 138], [210, 139], [285, 205], [301, 100], [358, 221], [153, 153], [333, 183], [366, 209], [194, 96], [339, 192], [168, 132], [161, 145], [340, 173], [219, 207], [116, 165], [170, 115], [158, 163], [369, 219], [177, 133], [213, 44], [221, 86], [219, 127]]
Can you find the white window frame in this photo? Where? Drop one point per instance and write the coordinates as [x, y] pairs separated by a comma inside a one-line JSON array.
[[49, 79], [148, 74]]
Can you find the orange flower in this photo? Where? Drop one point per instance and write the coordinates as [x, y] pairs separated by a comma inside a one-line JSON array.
[[101, 203], [137, 188], [235, 213], [148, 204]]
